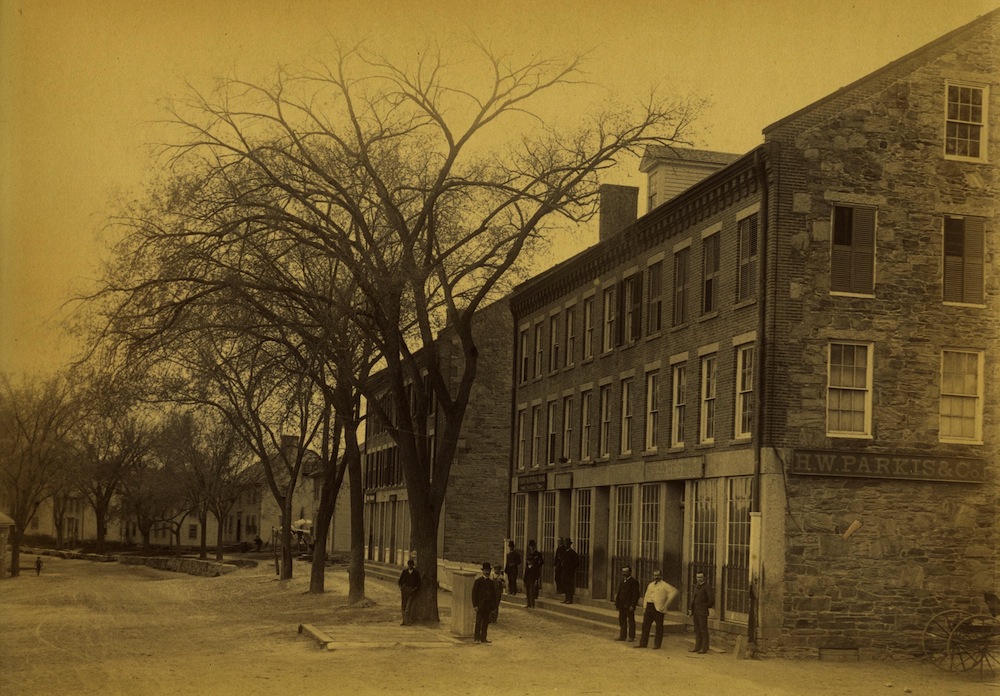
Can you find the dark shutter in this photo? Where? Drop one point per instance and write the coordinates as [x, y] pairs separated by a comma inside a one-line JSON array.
[[863, 262], [973, 272]]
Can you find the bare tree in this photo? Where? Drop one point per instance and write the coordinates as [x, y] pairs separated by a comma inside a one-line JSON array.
[[425, 187], [35, 418]]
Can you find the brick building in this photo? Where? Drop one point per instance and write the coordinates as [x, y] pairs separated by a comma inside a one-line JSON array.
[[474, 518], [805, 338]]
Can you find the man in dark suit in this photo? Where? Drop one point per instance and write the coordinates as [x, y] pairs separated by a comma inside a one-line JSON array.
[[409, 583], [570, 560], [626, 600], [513, 567], [702, 599], [533, 563], [484, 600]]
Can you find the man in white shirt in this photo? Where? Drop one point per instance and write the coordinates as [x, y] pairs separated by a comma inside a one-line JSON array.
[[659, 596]]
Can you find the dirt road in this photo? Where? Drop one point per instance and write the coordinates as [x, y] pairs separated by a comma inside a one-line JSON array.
[[89, 628]]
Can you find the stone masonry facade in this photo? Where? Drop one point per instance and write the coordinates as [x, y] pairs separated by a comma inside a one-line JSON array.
[[925, 545]]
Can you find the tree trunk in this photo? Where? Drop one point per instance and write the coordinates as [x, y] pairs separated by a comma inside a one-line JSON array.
[[16, 536], [203, 522], [101, 517], [286, 538], [356, 567], [425, 544], [218, 539]]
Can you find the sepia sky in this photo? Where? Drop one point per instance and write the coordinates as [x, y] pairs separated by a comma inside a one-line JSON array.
[[82, 83]]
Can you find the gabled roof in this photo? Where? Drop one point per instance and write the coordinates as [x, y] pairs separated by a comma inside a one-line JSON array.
[[870, 77]]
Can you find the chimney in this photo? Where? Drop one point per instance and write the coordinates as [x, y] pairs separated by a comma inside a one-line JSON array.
[[289, 443], [618, 207]]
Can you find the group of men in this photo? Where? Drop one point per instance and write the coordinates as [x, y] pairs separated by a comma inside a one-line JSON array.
[[658, 597], [565, 564]]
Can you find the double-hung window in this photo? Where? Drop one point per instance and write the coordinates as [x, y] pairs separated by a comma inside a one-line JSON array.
[[654, 298], [539, 350], [585, 425], [744, 391], [525, 357], [963, 260], [852, 264], [554, 343], [570, 352], [961, 396], [604, 432], [521, 436], [536, 434], [708, 387], [678, 403], [550, 441], [965, 122], [609, 319], [849, 390], [626, 412], [652, 410], [588, 328], [567, 427]]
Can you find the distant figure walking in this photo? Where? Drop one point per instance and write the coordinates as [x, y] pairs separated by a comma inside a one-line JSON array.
[[409, 583], [484, 599], [38, 566], [513, 567]]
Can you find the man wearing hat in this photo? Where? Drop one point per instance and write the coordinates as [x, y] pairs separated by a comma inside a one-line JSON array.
[[484, 600], [626, 600]]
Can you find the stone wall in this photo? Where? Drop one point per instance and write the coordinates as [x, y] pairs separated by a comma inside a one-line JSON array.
[[191, 566], [925, 546]]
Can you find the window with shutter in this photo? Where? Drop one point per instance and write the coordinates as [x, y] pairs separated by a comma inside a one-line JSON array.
[[746, 286], [963, 260], [852, 265], [681, 286], [654, 303], [710, 272]]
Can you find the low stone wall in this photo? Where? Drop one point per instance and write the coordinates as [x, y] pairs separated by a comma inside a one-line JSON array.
[[191, 566]]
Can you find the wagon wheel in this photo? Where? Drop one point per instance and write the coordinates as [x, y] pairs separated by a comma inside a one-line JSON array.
[[936, 635], [975, 642]]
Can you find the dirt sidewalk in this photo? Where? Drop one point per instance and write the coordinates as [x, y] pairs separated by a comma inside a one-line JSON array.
[[103, 628]]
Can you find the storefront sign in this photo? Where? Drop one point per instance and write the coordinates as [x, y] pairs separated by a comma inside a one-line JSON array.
[[892, 466], [533, 482]]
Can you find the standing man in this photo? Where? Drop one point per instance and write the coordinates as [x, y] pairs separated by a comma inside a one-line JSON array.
[[557, 564], [570, 560], [483, 600], [702, 599], [659, 596], [512, 567], [409, 583], [38, 566], [626, 600], [532, 572]]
